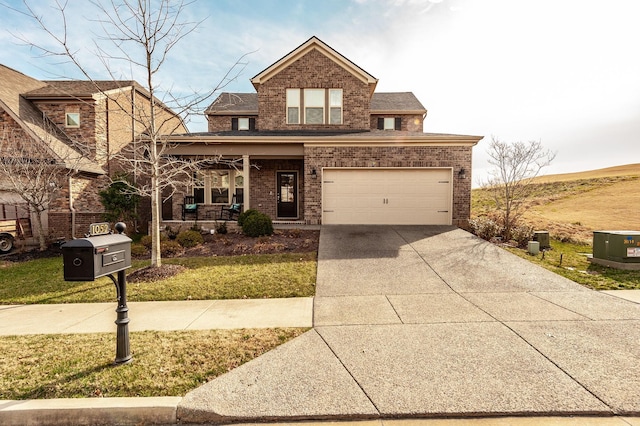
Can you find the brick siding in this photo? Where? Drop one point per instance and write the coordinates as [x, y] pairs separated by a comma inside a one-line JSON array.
[[410, 122], [313, 70], [425, 156]]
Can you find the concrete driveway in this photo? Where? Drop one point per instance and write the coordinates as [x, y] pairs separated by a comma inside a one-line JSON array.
[[432, 322]]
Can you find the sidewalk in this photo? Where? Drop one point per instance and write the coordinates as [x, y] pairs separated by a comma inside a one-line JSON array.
[[163, 316]]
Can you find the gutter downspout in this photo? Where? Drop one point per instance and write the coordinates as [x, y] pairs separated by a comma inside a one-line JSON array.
[[72, 209]]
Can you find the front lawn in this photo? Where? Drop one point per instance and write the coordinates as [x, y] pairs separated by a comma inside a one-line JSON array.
[[164, 363], [212, 277]]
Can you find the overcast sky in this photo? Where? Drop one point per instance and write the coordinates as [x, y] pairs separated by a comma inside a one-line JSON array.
[[565, 72]]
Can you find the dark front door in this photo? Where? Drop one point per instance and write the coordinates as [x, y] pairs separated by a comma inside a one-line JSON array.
[[287, 194]]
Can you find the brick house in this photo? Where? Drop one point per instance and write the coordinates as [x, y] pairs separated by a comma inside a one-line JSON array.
[[316, 144], [82, 124]]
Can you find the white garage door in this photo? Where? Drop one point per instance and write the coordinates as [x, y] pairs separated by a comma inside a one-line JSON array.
[[386, 196]]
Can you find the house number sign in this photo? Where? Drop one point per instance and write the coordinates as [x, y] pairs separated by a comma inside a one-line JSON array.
[[99, 229]]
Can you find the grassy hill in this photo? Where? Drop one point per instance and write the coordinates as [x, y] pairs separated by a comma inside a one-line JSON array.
[[571, 206]]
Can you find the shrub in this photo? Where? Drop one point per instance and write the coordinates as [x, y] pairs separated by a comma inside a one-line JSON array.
[[138, 249], [146, 240], [171, 233], [485, 228], [189, 238], [170, 248], [222, 228], [242, 217], [522, 234], [257, 224]]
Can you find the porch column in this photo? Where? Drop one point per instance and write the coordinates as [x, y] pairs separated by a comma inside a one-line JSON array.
[[246, 166]]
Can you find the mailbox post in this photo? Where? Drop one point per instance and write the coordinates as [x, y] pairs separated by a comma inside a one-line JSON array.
[[103, 254]]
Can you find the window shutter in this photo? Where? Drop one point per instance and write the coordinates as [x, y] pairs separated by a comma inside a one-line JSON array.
[[252, 124], [234, 124], [380, 123], [398, 123]]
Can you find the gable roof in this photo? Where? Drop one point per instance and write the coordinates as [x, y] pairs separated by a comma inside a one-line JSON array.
[[77, 88], [396, 103], [314, 43], [234, 104], [34, 124], [381, 103]]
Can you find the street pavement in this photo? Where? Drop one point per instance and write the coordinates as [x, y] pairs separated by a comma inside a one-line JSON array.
[[427, 323]]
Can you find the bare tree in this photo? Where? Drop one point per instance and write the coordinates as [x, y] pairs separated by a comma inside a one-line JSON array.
[[140, 34], [515, 167], [34, 172]]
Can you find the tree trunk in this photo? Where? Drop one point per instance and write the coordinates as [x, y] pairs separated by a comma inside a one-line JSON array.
[[156, 255], [41, 237]]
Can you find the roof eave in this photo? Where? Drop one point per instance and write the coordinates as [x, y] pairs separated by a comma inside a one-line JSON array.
[[391, 138]]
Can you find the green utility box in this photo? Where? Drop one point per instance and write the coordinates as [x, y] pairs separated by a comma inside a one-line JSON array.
[[543, 238], [617, 246]]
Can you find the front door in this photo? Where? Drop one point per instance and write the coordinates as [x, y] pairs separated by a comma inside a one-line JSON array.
[[287, 194]]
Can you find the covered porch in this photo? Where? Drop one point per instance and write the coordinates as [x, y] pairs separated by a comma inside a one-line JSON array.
[[265, 177]]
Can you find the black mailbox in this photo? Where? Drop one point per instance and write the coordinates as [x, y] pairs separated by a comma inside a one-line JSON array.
[[86, 259]]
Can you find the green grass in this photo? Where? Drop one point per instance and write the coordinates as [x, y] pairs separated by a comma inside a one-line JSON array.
[[164, 363], [221, 277], [576, 267]]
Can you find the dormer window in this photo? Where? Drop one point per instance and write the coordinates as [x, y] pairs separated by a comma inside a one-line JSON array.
[[389, 123], [243, 123], [72, 119]]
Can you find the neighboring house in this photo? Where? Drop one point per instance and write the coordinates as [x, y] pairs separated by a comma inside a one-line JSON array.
[[317, 145], [83, 124]]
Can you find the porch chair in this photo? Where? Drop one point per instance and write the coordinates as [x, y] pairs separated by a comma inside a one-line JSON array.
[[189, 207], [231, 212]]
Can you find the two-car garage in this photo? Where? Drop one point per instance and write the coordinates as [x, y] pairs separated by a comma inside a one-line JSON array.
[[387, 196]]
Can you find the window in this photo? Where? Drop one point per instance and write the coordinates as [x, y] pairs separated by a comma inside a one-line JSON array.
[[243, 123], [314, 106], [335, 106], [293, 106], [314, 102], [389, 123], [219, 186], [216, 186], [198, 187], [72, 119]]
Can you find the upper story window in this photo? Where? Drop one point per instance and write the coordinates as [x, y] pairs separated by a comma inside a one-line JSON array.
[[389, 123], [293, 106], [310, 106], [314, 106], [335, 106], [72, 119], [243, 123]]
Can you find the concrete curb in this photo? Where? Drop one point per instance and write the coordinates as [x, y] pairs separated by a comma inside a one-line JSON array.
[[93, 411]]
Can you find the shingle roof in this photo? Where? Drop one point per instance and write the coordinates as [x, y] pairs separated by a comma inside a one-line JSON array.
[[12, 84], [396, 102], [232, 103], [75, 88], [247, 103]]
